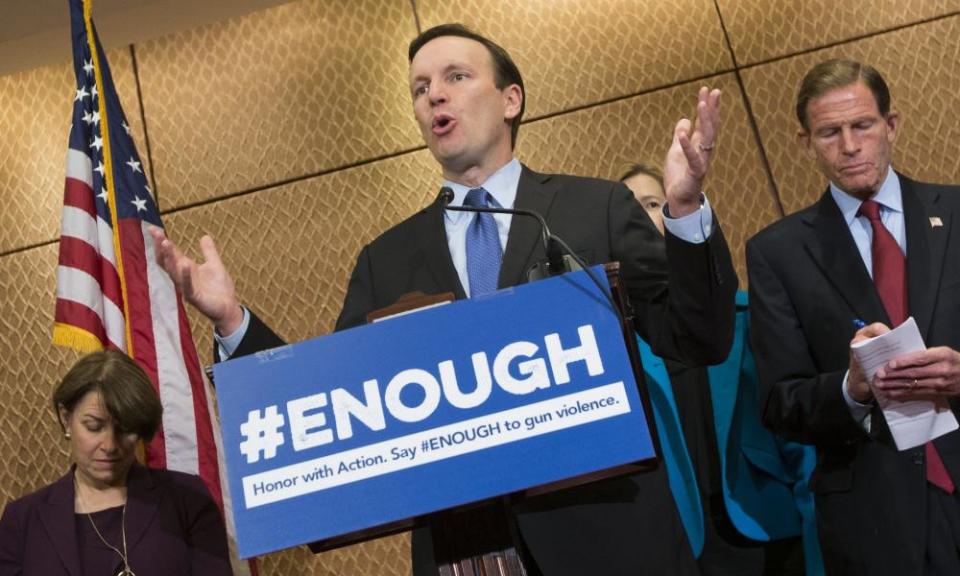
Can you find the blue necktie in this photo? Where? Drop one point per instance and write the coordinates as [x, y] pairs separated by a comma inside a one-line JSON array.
[[483, 246]]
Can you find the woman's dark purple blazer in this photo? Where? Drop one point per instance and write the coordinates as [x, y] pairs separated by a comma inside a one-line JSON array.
[[173, 526]]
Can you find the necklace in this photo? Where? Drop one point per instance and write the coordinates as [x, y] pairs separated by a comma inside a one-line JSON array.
[[125, 571]]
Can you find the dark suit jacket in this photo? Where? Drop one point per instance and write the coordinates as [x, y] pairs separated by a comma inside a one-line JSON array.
[[807, 286], [173, 527], [626, 525]]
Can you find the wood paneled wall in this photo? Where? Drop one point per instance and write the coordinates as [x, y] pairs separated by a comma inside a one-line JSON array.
[[288, 134]]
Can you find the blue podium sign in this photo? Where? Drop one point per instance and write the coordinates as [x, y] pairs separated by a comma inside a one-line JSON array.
[[428, 411]]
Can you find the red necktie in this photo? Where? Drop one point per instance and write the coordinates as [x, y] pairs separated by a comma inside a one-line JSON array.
[[890, 278]]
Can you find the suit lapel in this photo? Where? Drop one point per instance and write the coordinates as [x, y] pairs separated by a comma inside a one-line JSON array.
[[833, 249], [143, 502], [58, 519], [432, 238], [535, 194], [926, 246]]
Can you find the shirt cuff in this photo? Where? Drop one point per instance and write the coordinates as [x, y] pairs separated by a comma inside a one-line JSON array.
[[860, 412], [227, 345], [694, 227]]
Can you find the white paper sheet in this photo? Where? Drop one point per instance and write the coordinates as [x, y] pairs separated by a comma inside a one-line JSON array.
[[911, 423]]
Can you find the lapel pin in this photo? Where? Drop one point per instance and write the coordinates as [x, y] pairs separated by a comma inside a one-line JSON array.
[[935, 221]]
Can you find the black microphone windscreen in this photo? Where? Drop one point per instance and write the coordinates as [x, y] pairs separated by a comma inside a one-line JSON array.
[[446, 196]]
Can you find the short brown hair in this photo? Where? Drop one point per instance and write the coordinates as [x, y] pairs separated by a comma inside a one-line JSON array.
[[832, 74], [505, 71], [645, 169], [126, 391]]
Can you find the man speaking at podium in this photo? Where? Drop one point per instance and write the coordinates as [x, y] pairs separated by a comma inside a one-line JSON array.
[[468, 100]]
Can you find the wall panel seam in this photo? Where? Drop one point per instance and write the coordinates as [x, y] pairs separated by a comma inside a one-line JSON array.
[[28, 247], [754, 126], [143, 121], [416, 16], [852, 39], [292, 180], [614, 99]]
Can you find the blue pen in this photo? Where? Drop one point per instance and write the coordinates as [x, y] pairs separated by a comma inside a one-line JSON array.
[[858, 323]]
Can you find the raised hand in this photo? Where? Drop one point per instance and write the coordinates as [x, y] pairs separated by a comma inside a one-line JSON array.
[[688, 159], [207, 285]]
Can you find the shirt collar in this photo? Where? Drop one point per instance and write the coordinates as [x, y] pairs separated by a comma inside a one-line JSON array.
[[889, 196], [502, 185]]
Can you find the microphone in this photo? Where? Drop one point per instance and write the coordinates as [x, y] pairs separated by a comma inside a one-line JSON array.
[[557, 262], [560, 258]]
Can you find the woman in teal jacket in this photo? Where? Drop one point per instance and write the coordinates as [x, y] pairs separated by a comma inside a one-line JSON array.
[[764, 479]]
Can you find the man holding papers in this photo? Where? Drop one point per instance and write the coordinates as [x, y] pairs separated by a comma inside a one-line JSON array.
[[876, 249]]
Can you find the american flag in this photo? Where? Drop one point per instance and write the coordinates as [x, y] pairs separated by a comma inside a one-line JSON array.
[[110, 291]]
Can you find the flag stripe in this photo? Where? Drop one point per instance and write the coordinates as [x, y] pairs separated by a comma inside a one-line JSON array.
[[80, 224], [175, 391], [140, 323], [80, 288], [207, 449], [79, 194], [80, 167], [78, 254], [82, 317]]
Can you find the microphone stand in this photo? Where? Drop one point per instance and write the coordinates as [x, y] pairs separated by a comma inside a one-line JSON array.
[[560, 258]]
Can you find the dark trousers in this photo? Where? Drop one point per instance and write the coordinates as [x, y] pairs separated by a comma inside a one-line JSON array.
[[943, 532]]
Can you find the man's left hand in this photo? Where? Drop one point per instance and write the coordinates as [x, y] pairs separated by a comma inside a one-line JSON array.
[[688, 159], [924, 375]]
